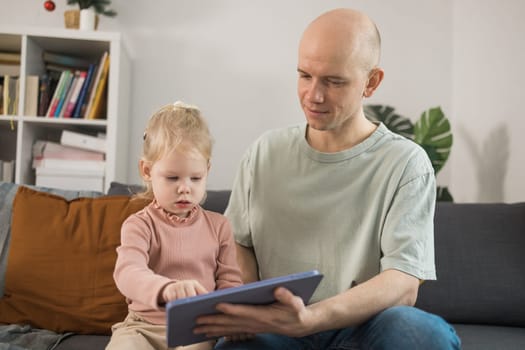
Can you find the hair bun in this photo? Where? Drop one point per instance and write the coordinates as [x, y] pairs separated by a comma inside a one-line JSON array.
[[182, 105]]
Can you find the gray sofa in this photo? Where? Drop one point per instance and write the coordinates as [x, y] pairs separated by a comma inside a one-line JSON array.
[[481, 283]]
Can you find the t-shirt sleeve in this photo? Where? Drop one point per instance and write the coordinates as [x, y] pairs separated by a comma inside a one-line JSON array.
[[238, 210], [407, 240]]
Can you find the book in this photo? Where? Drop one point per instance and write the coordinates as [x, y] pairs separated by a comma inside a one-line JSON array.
[[96, 80], [81, 103], [31, 97], [63, 94], [72, 101], [8, 171], [97, 108], [44, 94], [49, 149], [10, 57], [83, 180], [98, 166], [84, 141], [62, 59], [10, 95], [9, 69], [56, 92]]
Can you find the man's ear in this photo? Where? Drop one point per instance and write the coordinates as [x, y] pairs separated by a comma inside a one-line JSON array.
[[145, 169], [374, 79]]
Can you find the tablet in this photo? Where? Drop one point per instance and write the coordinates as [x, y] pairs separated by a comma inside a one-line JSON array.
[[182, 313]]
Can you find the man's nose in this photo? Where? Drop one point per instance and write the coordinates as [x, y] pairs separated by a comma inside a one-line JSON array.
[[315, 92]]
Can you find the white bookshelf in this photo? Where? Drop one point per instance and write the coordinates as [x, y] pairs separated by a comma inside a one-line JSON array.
[[19, 132]]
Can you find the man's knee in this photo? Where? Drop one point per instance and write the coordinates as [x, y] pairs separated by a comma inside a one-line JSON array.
[[416, 326]]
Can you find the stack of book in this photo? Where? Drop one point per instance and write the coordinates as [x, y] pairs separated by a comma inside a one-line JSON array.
[[76, 163], [73, 87]]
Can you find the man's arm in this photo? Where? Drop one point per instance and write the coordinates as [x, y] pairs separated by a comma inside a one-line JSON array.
[[289, 316], [247, 263], [357, 305]]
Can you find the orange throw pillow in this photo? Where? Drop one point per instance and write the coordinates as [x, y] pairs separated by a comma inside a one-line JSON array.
[[61, 258]]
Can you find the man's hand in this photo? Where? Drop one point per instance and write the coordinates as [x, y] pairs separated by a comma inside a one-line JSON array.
[[288, 316], [182, 289]]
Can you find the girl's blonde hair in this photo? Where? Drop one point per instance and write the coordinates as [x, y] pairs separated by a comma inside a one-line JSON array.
[[175, 126]]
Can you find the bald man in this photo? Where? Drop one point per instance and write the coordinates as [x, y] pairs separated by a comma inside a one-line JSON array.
[[342, 195]]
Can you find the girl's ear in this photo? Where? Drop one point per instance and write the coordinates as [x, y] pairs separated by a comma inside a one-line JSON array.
[[145, 169]]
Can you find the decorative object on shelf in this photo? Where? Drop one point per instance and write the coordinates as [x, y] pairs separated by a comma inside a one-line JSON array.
[[86, 18], [72, 19], [49, 5], [98, 5], [431, 131]]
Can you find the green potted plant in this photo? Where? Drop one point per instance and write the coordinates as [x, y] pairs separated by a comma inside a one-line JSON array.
[[86, 17], [98, 5], [432, 132]]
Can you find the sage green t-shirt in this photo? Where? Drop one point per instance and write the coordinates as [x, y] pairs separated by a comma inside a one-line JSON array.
[[350, 214]]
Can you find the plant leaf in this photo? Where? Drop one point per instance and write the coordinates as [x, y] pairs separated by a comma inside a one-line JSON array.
[[393, 121], [443, 194], [432, 132]]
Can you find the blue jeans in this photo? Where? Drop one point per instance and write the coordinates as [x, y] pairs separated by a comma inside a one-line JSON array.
[[399, 327]]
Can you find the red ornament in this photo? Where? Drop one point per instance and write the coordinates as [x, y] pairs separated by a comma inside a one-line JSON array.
[[49, 5]]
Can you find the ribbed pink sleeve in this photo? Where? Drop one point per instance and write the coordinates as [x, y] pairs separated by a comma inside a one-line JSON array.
[[157, 249]]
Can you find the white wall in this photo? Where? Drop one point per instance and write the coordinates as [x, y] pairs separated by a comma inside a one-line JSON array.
[[488, 94], [237, 61]]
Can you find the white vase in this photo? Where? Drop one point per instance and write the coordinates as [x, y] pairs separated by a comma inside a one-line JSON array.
[[87, 19]]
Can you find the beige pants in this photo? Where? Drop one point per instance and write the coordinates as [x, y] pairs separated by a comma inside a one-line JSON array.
[[134, 333]]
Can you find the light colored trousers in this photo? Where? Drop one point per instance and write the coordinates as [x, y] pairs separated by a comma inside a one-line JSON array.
[[134, 333]]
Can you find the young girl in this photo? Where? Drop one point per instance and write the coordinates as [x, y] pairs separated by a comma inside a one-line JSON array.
[[172, 248]]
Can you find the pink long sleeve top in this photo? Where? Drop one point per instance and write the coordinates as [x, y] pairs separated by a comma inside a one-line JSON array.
[[158, 248]]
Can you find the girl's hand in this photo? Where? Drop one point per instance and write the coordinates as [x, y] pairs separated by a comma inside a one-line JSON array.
[[182, 289]]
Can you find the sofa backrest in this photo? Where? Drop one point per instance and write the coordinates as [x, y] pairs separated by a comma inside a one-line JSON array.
[[216, 200], [480, 264]]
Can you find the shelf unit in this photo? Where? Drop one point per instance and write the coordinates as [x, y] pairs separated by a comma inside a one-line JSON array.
[[19, 132]]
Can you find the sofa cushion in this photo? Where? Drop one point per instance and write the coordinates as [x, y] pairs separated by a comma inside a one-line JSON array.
[[216, 200], [479, 262], [7, 194], [61, 258]]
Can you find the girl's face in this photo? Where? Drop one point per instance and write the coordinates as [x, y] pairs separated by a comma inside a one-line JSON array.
[[178, 180]]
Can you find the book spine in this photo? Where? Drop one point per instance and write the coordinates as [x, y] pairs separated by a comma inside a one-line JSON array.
[[54, 100], [95, 84], [87, 142], [101, 87], [44, 95], [84, 91], [63, 93], [74, 95], [64, 60]]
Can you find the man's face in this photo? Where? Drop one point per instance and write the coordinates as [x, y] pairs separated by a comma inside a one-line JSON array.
[[330, 86]]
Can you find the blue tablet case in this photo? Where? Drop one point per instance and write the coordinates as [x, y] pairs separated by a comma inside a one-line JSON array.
[[181, 313]]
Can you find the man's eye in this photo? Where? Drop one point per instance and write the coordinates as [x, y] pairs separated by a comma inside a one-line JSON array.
[[336, 82]]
